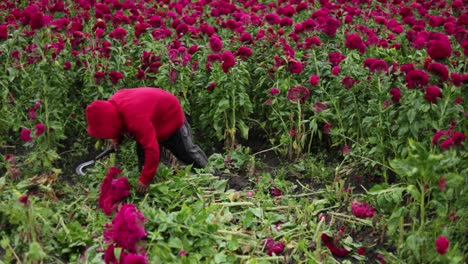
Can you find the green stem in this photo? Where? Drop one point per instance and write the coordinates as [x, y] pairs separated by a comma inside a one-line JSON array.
[[46, 109], [422, 207], [382, 146]]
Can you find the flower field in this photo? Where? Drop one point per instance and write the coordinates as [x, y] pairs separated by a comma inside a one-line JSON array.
[[336, 131]]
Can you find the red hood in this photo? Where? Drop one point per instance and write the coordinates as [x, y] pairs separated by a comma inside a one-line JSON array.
[[103, 120]]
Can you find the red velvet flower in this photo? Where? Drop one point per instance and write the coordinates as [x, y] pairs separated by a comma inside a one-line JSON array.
[[273, 247], [314, 80], [298, 93], [362, 210], [113, 191], [228, 61], [396, 95], [294, 66], [243, 52], [417, 79], [439, 49], [118, 33], [127, 228], [442, 244], [40, 128], [348, 82], [335, 250], [3, 31], [439, 69], [25, 135], [215, 43], [115, 76], [432, 92], [354, 41]]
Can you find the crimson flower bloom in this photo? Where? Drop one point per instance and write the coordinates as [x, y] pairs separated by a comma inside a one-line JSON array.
[[118, 33], [298, 94], [439, 49], [24, 200], [354, 41], [378, 66], [442, 244], [25, 135], [113, 191], [36, 21], [319, 106], [447, 143], [442, 184], [276, 192], [361, 251], [348, 82], [335, 58], [127, 228], [182, 253], [396, 95], [416, 79], [346, 149], [335, 250], [274, 247], [215, 43], [115, 76], [362, 210], [99, 76], [314, 80], [326, 128], [439, 69], [40, 128], [274, 91], [336, 70], [228, 61], [243, 52], [294, 66], [212, 86], [3, 31], [432, 92]]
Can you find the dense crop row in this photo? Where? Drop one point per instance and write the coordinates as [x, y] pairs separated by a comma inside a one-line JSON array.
[[375, 88]]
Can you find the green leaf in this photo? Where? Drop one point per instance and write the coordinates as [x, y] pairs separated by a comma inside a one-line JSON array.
[[258, 212], [244, 129], [413, 190], [35, 252]]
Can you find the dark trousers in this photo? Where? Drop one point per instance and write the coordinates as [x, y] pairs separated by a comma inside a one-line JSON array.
[[181, 145]]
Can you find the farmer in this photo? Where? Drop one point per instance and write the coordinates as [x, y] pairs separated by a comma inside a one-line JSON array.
[[153, 118]]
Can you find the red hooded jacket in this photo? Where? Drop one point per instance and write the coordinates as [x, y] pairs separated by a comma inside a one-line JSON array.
[[147, 114]]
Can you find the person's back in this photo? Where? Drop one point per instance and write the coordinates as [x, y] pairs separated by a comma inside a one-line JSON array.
[[141, 105]]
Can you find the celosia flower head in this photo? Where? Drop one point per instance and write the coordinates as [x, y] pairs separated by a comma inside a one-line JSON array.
[[432, 92], [362, 210], [25, 135], [417, 79], [442, 244], [334, 249], [298, 94], [228, 61], [127, 228], [273, 247], [113, 191]]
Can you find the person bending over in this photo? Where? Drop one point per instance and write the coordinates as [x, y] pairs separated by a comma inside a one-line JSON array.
[[151, 116]]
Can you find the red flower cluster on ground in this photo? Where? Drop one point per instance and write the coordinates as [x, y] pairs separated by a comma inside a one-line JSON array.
[[362, 210], [336, 250], [274, 247], [126, 231], [113, 191]]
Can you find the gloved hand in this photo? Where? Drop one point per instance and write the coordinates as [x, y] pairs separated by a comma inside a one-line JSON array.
[[142, 188]]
